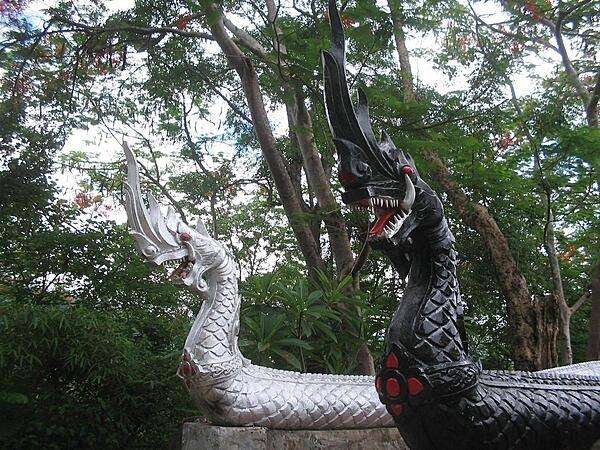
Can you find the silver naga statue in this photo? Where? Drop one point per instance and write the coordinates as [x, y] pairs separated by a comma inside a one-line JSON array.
[[227, 387]]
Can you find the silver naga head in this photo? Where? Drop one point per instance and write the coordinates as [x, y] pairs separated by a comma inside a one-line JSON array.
[[168, 239]]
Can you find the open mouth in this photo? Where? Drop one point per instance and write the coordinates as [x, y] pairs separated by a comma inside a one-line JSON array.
[[182, 270], [390, 212], [389, 216]]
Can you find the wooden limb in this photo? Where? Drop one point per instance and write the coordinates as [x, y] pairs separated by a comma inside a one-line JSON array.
[[521, 317], [277, 167], [580, 301], [135, 29], [592, 106]]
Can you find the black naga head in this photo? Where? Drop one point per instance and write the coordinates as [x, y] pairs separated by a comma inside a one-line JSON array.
[[373, 174]]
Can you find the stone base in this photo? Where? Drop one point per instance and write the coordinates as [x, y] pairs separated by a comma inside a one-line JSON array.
[[200, 436]]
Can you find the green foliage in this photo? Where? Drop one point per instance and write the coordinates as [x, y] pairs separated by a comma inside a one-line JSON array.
[[293, 323], [88, 378], [90, 335]]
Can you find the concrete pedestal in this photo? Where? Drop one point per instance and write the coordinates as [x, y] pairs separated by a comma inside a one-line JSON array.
[[200, 436]]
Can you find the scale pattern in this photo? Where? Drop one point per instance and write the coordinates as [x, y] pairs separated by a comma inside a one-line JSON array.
[[271, 398], [232, 391], [436, 333], [440, 399]]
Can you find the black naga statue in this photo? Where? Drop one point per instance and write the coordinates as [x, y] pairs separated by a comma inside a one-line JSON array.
[[438, 396]]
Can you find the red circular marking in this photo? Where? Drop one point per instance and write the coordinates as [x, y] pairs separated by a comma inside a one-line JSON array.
[[378, 384], [346, 177], [408, 170], [392, 387], [397, 409], [392, 362], [415, 387], [185, 236], [186, 369]]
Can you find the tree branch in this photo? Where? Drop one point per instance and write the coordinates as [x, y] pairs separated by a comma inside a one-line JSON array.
[[136, 29], [518, 37], [247, 40], [592, 107], [580, 301]]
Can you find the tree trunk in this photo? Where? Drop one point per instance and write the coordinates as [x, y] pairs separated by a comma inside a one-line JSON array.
[[563, 317], [290, 197], [547, 311], [287, 193], [521, 314], [566, 351], [593, 348], [403, 56], [318, 181]]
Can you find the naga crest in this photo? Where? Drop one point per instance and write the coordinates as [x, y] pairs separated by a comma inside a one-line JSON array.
[[373, 173], [168, 239]]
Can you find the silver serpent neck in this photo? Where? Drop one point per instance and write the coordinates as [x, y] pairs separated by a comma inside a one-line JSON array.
[[227, 387], [213, 336]]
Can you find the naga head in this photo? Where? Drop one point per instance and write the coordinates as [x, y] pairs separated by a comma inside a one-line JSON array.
[[374, 173], [168, 240]]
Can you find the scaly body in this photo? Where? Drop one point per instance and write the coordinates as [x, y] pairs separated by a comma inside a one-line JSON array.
[[439, 397], [228, 388]]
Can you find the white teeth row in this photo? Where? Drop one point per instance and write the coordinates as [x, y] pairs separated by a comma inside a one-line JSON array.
[[384, 202], [393, 226]]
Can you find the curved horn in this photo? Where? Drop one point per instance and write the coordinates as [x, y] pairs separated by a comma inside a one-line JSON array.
[[409, 195], [340, 111], [344, 122], [148, 227]]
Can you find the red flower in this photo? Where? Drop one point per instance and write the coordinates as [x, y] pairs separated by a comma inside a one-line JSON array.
[[347, 21], [183, 21], [532, 8]]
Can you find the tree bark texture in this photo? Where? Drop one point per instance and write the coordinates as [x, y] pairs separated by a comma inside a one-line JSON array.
[[403, 56], [547, 311], [593, 347], [287, 193], [319, 182], [566, 350], [521, 314]]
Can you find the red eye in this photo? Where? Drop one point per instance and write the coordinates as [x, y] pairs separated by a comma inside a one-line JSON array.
[[408, 170], [185, 236]]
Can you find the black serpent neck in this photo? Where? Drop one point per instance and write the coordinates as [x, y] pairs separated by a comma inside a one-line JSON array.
[[426, 322]]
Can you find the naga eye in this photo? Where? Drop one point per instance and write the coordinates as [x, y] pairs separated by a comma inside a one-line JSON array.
[[185, 236], [408, 170]]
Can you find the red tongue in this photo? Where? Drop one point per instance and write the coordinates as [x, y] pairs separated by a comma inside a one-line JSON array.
[[381, 222]]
